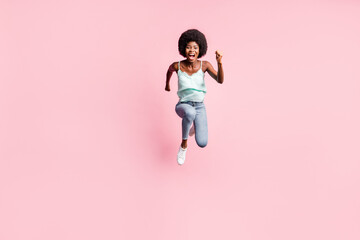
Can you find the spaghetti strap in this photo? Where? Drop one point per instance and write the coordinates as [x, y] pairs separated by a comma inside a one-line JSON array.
[[179, 65], [201, 65]]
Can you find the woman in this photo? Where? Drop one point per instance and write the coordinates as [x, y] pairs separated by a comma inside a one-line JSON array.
[[191, 88]]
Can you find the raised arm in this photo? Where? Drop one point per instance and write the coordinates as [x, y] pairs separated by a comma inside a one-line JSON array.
[[217, 75], [172, 68]]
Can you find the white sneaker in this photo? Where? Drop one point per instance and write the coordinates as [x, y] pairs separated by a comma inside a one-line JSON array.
[[192, 131], [181, 156]]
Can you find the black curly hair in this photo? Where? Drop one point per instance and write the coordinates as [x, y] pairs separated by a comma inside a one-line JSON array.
[[192, 35]]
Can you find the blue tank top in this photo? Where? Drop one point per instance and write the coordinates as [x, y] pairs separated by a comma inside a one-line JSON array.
[[191, 88]]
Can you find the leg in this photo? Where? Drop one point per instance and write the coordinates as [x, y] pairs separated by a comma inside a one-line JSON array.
[[188, 114], [201, 126]]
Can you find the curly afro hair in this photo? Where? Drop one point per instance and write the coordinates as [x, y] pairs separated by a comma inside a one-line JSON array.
[[193, 35]]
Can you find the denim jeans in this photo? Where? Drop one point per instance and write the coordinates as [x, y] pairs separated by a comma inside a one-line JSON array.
[[193, 113]]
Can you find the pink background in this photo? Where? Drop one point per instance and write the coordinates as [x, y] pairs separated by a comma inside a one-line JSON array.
[[88, 136]]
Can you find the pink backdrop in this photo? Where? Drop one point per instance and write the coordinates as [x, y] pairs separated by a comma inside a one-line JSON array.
[[88, 136]]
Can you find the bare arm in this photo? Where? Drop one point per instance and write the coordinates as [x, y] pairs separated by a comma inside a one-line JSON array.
[[172, 68], [217, 75]]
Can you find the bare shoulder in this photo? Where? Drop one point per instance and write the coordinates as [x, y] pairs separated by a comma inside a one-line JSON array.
[[174, 66], [206, 65]]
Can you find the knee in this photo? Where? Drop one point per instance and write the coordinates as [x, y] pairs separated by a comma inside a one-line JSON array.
[[202, 143]]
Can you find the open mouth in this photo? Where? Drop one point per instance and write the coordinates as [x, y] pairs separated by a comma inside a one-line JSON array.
[[192, 55]]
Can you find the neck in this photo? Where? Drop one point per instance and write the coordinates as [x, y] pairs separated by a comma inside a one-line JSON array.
[[191, 64]]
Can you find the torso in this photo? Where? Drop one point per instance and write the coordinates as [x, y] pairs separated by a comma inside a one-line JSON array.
[[191, 84]]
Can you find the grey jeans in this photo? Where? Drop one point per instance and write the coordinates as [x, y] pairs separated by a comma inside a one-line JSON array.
[[193, 112]]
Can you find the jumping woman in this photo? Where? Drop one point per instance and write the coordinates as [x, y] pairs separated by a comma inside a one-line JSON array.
[[191, 88]]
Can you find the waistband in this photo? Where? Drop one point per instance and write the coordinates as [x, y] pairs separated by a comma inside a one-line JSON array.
[[193, 103]]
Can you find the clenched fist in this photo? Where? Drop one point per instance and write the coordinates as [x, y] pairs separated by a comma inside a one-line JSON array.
[[218, 56]]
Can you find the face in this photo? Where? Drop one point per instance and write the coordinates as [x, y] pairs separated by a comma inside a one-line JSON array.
[[192, 51]]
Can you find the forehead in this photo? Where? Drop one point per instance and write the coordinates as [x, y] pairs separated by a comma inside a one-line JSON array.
[[192, 44]]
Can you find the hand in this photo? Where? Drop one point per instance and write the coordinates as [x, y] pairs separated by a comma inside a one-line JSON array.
[[218, 56], [167, 88]]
